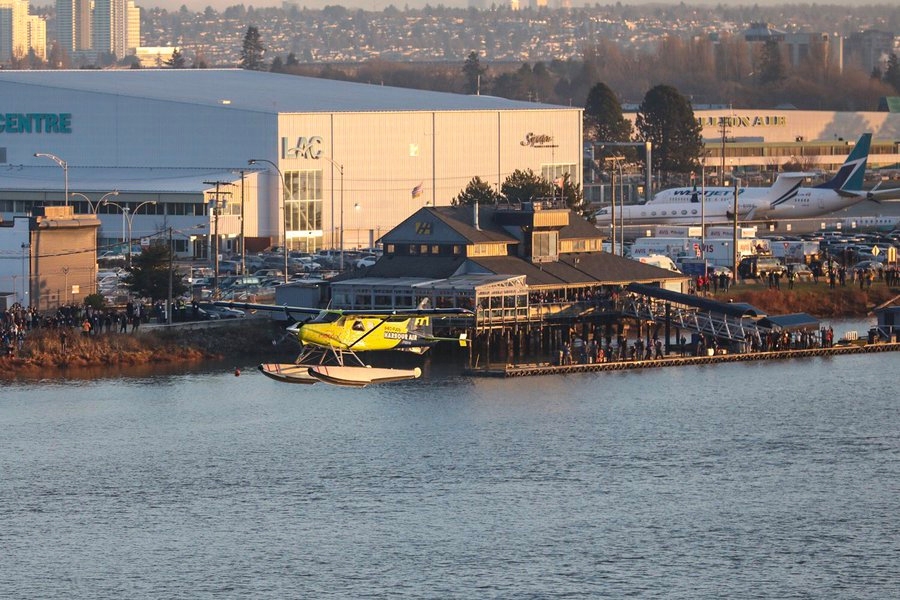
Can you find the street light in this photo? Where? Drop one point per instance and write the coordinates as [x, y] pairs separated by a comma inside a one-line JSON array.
[[129, 217], [284, 249], [60, 162], [94, 208], [340, 169]]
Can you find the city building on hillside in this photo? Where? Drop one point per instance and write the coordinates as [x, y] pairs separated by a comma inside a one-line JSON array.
[[89, 31]]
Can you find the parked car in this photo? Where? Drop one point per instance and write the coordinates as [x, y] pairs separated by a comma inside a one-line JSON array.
[[111, 255], [801, 272], [869, 265], [221, 312], [304, 264], [365, 261], [269, 273], [760, 266]]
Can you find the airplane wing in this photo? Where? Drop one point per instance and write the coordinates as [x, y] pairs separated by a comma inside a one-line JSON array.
[[889, 195], [307, 310]]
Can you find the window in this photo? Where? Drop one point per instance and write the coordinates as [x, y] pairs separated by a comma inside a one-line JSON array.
[[544, 245], [554, 172], [303, 202]]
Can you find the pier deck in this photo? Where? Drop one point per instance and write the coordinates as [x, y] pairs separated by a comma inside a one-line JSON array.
[[523, 370]]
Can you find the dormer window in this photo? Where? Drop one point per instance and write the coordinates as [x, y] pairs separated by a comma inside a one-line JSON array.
[[544, 246]]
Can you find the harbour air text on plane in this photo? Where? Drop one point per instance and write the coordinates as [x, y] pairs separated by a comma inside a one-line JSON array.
[[787, 198]]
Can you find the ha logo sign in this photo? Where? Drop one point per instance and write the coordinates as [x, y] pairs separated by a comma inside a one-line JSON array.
[[305, 147]]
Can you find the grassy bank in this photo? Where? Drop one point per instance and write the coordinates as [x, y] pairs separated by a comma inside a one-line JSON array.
[[56, 348], [818, 300]]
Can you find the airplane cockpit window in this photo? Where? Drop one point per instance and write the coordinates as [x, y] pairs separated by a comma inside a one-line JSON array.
[[358, 326], [327, 316]]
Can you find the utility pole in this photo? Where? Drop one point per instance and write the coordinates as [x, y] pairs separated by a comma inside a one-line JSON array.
[[169, 298], [243, 220], [723, 129], [734, 249], [215, 246]]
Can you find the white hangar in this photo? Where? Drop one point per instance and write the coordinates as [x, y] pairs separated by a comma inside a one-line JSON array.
[[162, 148]]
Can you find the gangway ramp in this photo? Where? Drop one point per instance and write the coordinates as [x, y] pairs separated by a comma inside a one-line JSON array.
[[732, 321]]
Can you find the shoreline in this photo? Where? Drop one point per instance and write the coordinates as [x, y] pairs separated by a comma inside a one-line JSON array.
[[194, 342]]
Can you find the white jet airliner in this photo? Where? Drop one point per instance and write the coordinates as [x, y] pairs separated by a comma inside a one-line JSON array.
[[786, 199]]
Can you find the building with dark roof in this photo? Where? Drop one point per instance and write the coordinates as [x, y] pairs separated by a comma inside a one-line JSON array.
[[506, 261]]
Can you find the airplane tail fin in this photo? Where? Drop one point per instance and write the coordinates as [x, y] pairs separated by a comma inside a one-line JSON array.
[[850, 175]]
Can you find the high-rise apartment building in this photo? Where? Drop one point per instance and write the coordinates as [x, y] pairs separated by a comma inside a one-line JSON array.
[[37, 36], [133, 35], [13, 29], [104, 27], [73, 25]]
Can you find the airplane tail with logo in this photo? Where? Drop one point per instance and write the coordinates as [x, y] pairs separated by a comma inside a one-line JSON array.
[[849, 177]]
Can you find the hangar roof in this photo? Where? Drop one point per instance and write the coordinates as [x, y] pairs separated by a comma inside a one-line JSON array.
[[259, 91], [171, 180]]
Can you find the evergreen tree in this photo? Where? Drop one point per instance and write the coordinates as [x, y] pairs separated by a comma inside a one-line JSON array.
[[666, 119], [252, 51], [771, 64], [149, 275], [603, 116], [474, 73], [292, 60], [477, 192], [177, 61], [604, 122], [277, 65], [526, 186]]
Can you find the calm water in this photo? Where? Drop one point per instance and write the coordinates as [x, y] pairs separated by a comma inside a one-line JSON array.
[[752, 480]]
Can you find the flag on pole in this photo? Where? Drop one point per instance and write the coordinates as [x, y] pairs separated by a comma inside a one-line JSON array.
[[417, 191]]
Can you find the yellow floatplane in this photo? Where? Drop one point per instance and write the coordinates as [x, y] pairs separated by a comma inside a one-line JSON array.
[[331, 338]]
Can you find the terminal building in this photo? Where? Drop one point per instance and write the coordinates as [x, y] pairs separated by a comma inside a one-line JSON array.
[[757, 144], [217, 158]]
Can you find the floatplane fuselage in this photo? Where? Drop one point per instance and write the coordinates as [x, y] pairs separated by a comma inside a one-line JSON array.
[[331, 339]]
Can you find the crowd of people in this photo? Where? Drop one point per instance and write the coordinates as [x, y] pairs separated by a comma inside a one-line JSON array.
[[17, 321]]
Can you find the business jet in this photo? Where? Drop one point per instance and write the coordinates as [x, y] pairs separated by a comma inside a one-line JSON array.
[[785, 199]]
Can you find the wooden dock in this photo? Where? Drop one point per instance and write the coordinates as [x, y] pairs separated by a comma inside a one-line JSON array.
[[523, 370]]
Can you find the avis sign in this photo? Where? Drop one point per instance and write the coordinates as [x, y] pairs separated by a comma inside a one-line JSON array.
[[303, 147]]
